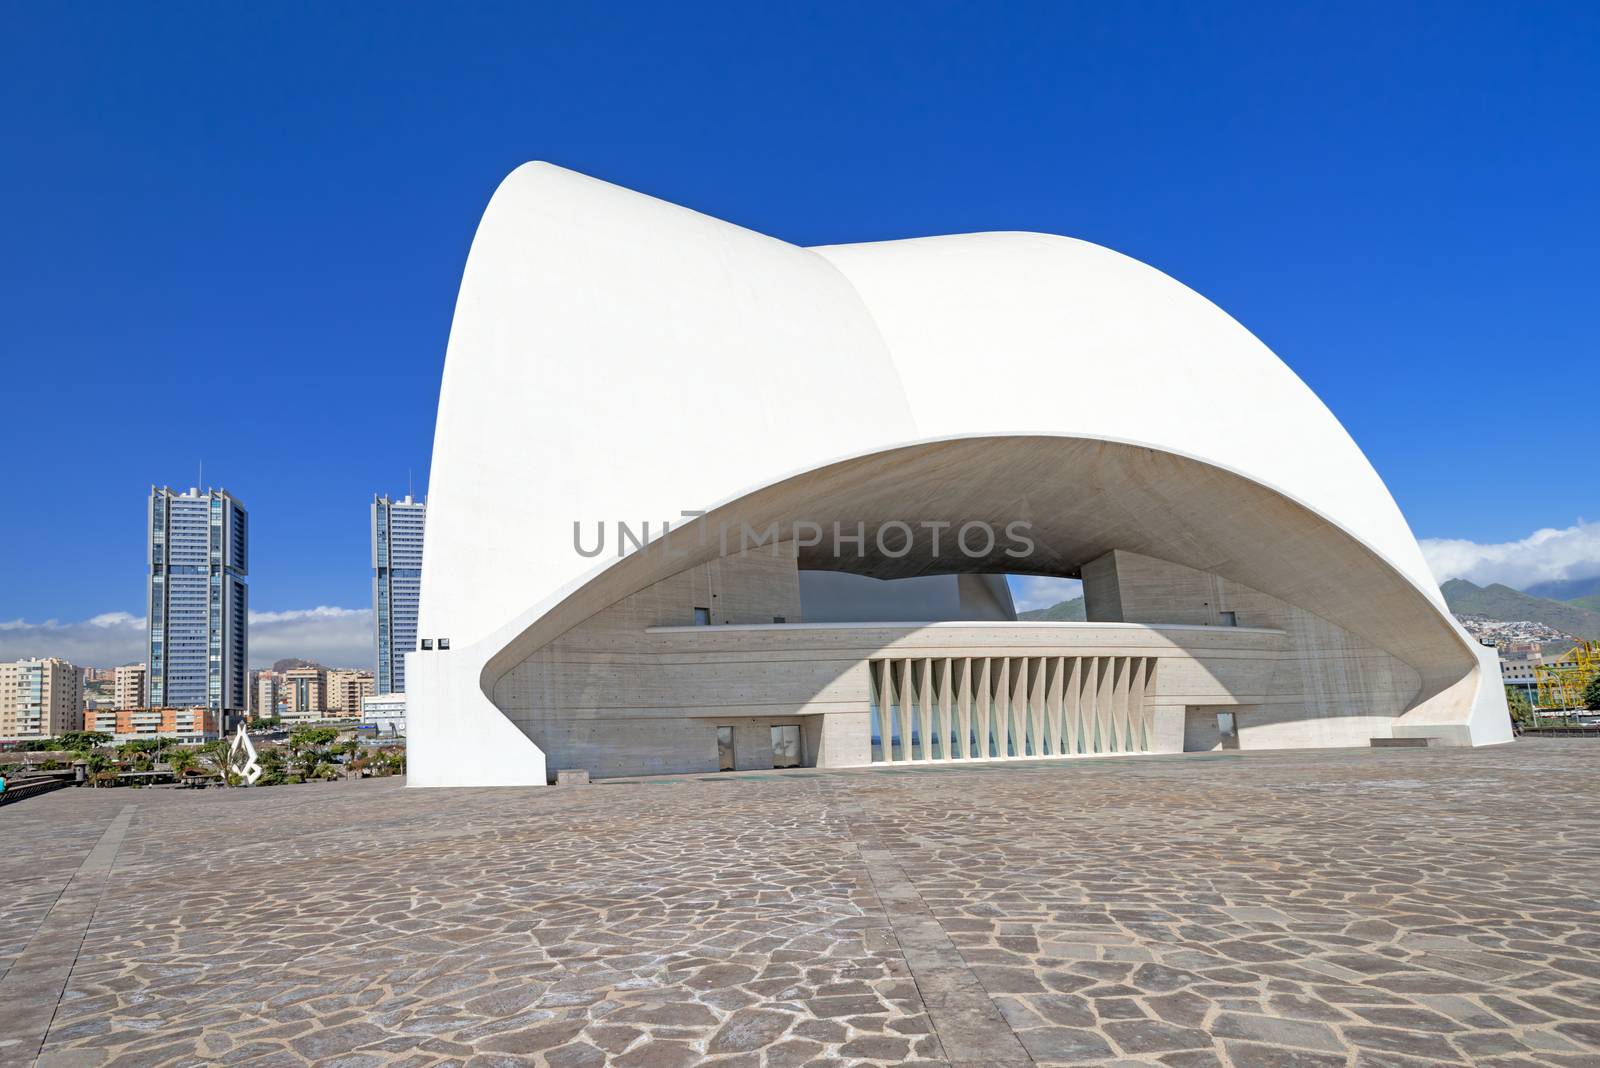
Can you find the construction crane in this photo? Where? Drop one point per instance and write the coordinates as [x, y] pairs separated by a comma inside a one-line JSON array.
[[1562, 681]]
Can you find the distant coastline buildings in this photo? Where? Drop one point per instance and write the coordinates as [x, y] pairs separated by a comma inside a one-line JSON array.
[[310, 693], [197, 683], [396, 586], [198, 602]]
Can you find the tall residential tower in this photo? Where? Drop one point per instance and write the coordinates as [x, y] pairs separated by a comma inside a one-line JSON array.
[[130, 686], [199, 610], [396, 585], [40, 698]]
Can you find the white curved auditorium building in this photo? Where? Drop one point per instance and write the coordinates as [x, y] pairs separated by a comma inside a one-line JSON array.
[[703, 499]]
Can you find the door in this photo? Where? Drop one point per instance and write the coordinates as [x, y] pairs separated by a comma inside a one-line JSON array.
[[1228, 728], [724, 748], [786, 746]]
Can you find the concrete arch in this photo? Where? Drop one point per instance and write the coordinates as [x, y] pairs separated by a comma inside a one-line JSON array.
[[1084, 497]]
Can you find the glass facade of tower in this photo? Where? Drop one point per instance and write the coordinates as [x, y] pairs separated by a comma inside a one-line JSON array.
[[396, 585], [198, 602]]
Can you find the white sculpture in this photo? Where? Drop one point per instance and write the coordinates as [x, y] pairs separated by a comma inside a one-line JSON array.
[[242, 758]]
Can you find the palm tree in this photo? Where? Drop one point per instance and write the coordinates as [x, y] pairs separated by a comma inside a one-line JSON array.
[[350, 749], [214, 756], [182, 761], [96, 764], [272, 768]]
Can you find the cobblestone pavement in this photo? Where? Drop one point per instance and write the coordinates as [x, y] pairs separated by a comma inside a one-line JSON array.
[[1387, 907]]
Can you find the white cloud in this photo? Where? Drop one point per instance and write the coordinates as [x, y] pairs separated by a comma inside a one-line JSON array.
[[322, 611], [1543, 556], [105, 640], [1033, 591], [337, 637]]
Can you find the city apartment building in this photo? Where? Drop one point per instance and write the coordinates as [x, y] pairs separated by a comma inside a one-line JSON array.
[[396, 585], [346, 690], [265, 701], [303, 693], [129, 686], [1519, 668], [40, 698], [131, 724], [198, 601]]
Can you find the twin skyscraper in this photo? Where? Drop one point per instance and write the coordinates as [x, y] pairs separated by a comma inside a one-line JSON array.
[[198, 598]]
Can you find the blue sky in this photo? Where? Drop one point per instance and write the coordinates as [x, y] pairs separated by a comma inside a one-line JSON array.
[[234, 232]]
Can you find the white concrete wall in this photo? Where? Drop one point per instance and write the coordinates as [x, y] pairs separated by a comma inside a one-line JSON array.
[[638, 689], [1328, 688]]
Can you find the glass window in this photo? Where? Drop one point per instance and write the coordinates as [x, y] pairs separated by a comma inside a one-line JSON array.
[[702, 617], [1228, 729]]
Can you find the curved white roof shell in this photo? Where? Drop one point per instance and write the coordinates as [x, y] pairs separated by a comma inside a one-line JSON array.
[[617, 358]]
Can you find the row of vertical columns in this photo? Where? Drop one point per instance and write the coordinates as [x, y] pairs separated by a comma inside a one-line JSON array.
[[981, 708]]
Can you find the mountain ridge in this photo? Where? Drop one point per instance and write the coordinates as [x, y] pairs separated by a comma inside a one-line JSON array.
[[1494, 601], [1501, 602], [1060, 612], [1568, 590]]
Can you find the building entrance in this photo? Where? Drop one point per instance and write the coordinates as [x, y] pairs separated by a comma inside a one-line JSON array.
[[1228, 730], [786, 746]]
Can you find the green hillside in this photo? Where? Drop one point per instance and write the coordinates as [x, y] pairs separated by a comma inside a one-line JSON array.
[[1064, 612], [1588, 604], [1502, 602]]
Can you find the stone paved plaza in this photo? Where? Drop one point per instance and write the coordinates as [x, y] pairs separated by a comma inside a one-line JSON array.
[[1383, 907]]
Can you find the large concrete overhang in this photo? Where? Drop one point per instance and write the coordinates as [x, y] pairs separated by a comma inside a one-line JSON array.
[[1080, 498]]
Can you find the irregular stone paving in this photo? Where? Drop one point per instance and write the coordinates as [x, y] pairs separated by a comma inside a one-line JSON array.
[[1383, 908]]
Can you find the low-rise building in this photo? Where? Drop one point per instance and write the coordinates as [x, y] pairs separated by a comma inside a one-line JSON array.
[[1519, 669], [40, 698], [387, 713], [189, 725]]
